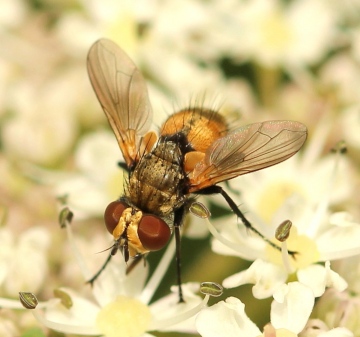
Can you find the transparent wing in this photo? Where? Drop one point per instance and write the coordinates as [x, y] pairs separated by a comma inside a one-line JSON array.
[[247, 149], [122, 93]]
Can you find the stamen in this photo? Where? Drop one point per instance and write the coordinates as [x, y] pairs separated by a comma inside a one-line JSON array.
[[283, 231], [282, 234], [64, 297], [10, 304], [65, 217], [158, 275], [78, 256], [162, 324], [199, 210], [211, 288], [235, 246], [28, 300], [285, 258]]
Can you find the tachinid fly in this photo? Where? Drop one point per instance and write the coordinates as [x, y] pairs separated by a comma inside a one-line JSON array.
[[192, 154]]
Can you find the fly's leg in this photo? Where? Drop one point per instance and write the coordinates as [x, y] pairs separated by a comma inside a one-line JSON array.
[[114, 249], [178, 219], [218, 189], [94, 278], [123, 166]]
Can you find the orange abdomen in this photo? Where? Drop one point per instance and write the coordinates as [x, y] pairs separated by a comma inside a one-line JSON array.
[[201, 127]]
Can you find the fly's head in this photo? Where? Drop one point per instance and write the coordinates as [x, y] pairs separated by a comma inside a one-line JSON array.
[[135, 233]]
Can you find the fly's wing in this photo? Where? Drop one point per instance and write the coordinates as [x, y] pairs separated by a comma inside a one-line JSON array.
[[122, 93], [247, 149]]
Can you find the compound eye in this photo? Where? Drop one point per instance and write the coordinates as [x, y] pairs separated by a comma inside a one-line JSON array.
[[153, 232], [113, 213]]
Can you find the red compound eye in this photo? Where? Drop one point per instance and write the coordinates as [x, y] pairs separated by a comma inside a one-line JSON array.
[[153, 232], [113, 213]]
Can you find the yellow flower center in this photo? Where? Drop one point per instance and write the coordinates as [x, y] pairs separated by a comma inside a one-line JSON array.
[[305, 248], [275, 31], [125, 317], [274, 196]]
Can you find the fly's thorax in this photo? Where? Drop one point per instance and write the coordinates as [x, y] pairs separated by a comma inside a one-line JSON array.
[[158, 181], [168, 151], [200, 126]]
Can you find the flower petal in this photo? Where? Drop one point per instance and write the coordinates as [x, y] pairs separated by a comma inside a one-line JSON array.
[[249, 247], [292, 306], [226, 319], [166, 308], [83, 312], [340, 240], [266, 277], [113, 281], [318, 277]]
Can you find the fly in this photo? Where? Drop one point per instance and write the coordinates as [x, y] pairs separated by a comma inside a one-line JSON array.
[[192, 154]]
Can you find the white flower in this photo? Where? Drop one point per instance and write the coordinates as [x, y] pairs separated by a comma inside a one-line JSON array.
[[202, 36], [273, 34], [290, 310], [289, 315], [316, 236], [12, 13], [318, 328], [120, 311], [113, 19], [350, 123], [336, 308], [266, 277], [341, 75], [42, 130], [20, 255], [226, 319], [119, 304], [350, 268], [97, 179], [291, 307], [317, 278]]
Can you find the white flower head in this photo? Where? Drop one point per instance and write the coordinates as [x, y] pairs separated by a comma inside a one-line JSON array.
[[274, 34], [290, 311], [226, 318], [292, 306], [97, 178], [337, 308], [119, 303], [19, 256], [314, 237], [42, 129]]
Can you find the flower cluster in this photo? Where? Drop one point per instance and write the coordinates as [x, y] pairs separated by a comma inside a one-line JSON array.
[[252, 60]]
